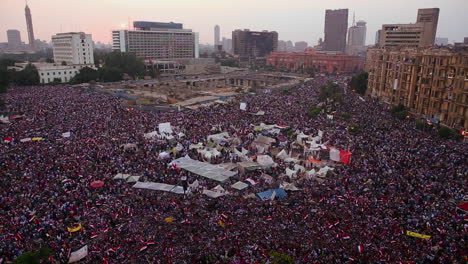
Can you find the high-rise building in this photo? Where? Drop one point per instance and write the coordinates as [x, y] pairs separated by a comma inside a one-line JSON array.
[[336, 27], [217, 33], [254, 44], [227, 45], [281, 45], [357, 38], [73, 48], [420, 34], [441, 41], [14, 38], [300, 46], [465, 40], [153, 41], [377, 37], [29, 25], [431, 82]]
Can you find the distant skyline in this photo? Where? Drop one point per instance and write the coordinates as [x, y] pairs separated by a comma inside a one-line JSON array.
[[296, 20]]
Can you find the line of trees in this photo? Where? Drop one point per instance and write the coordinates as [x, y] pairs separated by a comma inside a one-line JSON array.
[[115, 64], [359, 82]]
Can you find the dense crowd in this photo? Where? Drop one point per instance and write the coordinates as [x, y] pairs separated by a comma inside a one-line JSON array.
[[399, 179]]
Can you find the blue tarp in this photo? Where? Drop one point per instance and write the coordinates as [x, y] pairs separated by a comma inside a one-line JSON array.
[[266, 195]]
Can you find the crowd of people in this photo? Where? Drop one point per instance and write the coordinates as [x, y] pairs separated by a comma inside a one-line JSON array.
[[399, 179]]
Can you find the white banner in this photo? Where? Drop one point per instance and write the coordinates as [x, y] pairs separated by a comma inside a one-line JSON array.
[[78, 255]]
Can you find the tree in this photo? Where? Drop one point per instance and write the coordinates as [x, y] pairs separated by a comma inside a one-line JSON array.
[[35, 257], [310, 71], [28, 76], [279, 258], [110, 74], [124, 62], [330, 91], [359, 82], [85, 75]]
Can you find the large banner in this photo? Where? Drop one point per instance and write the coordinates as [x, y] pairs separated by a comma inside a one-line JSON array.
[[413, 234], [78, 255]]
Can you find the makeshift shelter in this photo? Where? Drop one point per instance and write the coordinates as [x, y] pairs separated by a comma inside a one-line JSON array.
[[247, 165], [266, 195], [218, 137], [265, 161], [203, 169], [165, 128], [151, 135], [160, 187], [289, 187], [132, 179], [239, 185], [129, 146], [263, 143], [121, 176]]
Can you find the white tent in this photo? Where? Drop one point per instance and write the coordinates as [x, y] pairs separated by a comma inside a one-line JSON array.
[[204, 169], [239, 185], [160, 187], [218, 137], [282, 155], [289, 187], [164, 155], [151, 135], [121, 176], [165, 128], [265, 160], [132, 179]]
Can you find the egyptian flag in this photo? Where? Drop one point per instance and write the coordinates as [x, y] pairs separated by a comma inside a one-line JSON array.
[[345, 237], [360, 249], [174, 166], [143, 247], [94, 236], [31, 218], [251, 181], [7, 139]]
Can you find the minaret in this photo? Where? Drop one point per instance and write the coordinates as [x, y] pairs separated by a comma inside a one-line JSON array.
[[29, 24]]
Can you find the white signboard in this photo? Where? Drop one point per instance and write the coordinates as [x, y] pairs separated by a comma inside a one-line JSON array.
[[243, 106]]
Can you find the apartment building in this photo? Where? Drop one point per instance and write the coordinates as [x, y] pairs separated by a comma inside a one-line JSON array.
[[431, 82]]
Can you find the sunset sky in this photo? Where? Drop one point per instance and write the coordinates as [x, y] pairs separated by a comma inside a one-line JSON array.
[[294, 20]]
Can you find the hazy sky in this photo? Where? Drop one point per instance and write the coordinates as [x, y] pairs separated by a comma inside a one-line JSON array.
[[294, 20]]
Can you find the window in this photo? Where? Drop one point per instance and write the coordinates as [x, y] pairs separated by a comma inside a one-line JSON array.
[[47, 73]]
